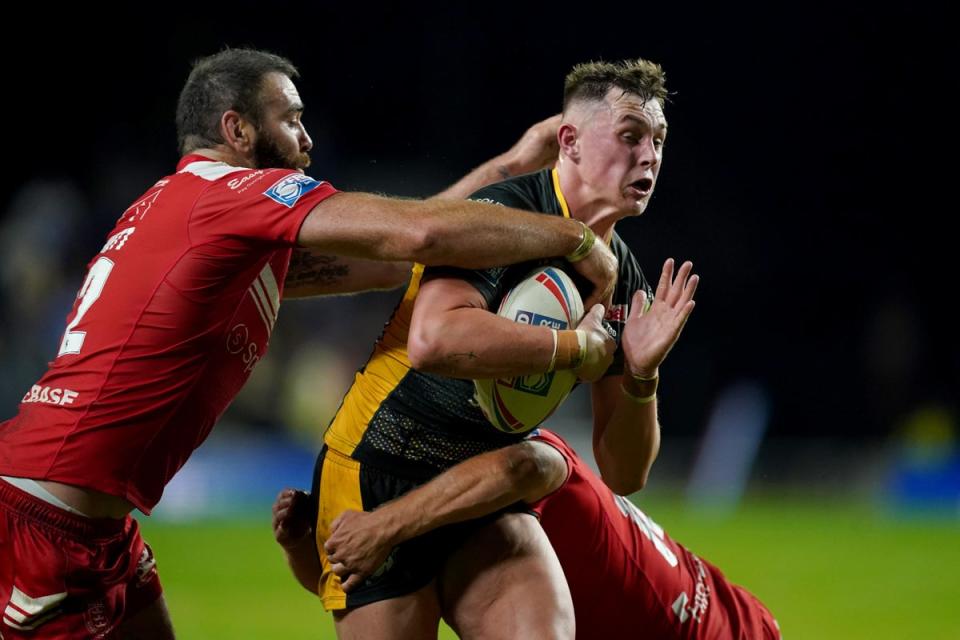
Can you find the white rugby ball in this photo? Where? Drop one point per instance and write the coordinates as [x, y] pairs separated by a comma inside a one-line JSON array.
[[547, 297]]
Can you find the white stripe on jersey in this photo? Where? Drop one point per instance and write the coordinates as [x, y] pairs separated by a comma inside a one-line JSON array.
[[259, 305], [266, 296], [270, 287], [210, 170]]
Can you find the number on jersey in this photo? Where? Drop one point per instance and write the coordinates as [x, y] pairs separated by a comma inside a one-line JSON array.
[[651, 529], [89, 293]]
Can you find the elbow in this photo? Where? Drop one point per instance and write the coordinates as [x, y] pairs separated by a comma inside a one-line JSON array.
[[526, 472], [424, 349], [623, 482], [625, 486]]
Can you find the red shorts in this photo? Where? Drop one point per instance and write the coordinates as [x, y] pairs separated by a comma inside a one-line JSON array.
[[68, 577]]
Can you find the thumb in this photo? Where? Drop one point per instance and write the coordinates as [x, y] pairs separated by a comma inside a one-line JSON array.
[[597, 311]]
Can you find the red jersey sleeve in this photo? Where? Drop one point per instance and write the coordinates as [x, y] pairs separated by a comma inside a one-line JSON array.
[[262, 204]]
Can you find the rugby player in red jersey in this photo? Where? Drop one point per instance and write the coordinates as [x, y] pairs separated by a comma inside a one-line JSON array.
[[175, 310], [627, 578]]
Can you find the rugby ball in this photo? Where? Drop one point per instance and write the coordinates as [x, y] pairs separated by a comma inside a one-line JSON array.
[[546, 297]]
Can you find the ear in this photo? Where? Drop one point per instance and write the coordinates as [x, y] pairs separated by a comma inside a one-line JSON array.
[[238, 132], [569, 138]]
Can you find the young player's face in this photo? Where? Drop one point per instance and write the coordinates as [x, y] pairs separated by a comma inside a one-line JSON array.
[[282, 140], [621, 148]]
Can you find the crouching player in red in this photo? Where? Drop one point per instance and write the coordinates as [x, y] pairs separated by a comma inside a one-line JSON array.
[[626, 576]]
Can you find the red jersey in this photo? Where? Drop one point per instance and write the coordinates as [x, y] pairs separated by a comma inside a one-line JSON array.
[[628, 578], [174, 313]]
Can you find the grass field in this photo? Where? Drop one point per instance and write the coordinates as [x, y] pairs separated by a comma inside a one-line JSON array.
[[827, 571]]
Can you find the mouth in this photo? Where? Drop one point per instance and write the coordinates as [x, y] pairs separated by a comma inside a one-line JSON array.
[[640, 188]]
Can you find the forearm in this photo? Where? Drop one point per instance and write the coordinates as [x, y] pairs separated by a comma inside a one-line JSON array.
[[304, 563], [474, 343], [315, 274], [458, 233], [479, 486], [626, 446]]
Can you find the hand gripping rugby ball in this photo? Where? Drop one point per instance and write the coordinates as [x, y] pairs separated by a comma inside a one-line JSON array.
[[547, 297]]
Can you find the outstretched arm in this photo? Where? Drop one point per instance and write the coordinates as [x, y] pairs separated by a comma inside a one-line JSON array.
[[314, 273], [626, 432], [361, 541], [458, 233]]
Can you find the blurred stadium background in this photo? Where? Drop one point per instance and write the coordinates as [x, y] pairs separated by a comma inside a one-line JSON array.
[[810, 410]]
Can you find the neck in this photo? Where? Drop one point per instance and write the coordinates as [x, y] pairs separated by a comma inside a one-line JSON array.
[[223, 154], [589, 208]]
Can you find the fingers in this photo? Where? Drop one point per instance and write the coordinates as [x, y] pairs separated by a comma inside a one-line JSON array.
[[679, 283], [638, 305], [666, 278], [354, 581]]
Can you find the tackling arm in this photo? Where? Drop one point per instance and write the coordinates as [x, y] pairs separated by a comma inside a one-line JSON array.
[[458, 233], [361, 541]]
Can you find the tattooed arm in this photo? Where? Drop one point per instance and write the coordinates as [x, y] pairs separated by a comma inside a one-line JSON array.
[[317, 274]]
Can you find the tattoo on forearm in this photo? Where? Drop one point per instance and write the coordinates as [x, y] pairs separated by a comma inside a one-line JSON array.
[[308, 269], [503, 171], [457, 357]]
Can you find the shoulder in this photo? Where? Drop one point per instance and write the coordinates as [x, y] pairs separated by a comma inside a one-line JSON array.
[[521, 192]]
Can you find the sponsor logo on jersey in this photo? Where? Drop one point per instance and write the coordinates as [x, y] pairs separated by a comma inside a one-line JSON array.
[[236, 183], [537, 320], [492, 276], [487, 201], [50, 395], [288, 190], [616, 313]]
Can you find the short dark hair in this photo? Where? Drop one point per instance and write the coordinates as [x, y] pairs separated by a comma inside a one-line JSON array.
[[231, 79], [593, 80]]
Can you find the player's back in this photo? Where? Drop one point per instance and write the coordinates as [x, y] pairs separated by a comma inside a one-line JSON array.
[[628, 578], [174, 312]]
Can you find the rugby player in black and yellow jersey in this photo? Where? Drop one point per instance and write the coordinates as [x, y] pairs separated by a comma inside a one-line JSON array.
[[410, 413]]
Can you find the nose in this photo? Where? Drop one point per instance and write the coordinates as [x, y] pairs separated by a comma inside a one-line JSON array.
[[647, 153], [305, 142]]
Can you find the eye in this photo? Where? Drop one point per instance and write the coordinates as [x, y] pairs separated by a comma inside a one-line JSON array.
[[658, 143], [629, 137]]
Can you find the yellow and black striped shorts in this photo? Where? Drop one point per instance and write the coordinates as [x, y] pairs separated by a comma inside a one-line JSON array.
[[342, 483]]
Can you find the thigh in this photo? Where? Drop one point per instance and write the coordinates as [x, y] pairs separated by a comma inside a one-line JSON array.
[[415, 616], [411, 566], [506, 582], [146, 616]]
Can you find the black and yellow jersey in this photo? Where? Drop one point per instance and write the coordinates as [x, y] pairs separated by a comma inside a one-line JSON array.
[[417, 424]]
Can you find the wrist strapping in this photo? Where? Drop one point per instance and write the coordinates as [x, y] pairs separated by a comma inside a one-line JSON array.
[[640, 390], [586, 244], [571, 349]]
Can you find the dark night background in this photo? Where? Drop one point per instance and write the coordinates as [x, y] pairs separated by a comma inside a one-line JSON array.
[[806, 171]]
